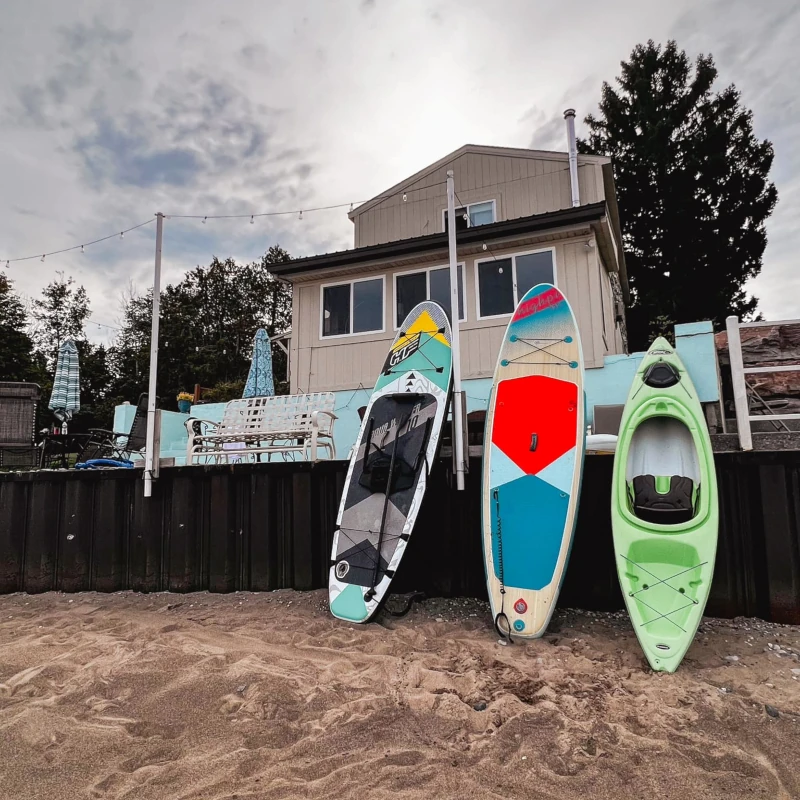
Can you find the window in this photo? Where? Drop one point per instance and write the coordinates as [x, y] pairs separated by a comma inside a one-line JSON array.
[[411, 288], [355, 307], [503, 282], [471, 215]]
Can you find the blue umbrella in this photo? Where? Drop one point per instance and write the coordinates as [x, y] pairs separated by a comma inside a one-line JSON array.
[[259, 381], [66, 396]]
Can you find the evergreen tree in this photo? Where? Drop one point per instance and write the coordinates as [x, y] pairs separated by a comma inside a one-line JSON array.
[[16, 347], [692, 184]]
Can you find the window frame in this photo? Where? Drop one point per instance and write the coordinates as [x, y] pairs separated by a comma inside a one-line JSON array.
[[427, 271], [513, 257], [493, 201], [350, 282]]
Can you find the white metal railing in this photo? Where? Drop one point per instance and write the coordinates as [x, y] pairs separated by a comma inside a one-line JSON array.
[[739, 371]]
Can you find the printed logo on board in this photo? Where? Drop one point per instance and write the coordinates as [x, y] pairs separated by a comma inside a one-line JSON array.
[[548, 299], [520, 606], [408, 348]]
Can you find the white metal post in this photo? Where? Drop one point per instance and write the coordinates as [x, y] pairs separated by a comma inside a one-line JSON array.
[[151, 458], [739, 387], [458, 417]]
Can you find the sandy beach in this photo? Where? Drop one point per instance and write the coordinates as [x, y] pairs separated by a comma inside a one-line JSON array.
[[266, 696]]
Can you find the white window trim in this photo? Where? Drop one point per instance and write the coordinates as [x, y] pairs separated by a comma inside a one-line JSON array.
[[493, 201], [427, 271], [350, 283], [513, 257]]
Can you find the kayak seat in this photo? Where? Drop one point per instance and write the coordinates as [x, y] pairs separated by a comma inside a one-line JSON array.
[[671, 508]]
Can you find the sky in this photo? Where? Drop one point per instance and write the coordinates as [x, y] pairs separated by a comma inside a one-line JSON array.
[[110, 112]]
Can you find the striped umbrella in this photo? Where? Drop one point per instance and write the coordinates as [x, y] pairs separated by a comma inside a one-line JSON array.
[[259, 381], [66, 397]]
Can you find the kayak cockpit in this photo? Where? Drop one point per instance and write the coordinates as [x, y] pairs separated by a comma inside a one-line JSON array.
[[663, 472]]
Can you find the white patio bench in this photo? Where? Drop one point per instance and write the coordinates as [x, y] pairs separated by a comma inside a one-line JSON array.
[[254, 425]]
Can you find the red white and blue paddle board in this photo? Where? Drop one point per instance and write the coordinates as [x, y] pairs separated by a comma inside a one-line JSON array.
[[533, 461]]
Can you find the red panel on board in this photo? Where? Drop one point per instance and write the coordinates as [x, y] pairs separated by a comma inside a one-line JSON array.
[[538, 406]]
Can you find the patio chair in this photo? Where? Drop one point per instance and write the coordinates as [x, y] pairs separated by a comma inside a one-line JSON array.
[[114, 446]]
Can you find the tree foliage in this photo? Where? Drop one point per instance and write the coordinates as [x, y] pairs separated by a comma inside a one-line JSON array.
[[692, 184], [207, 324], [206, 329], [59, 314], [16, 347]]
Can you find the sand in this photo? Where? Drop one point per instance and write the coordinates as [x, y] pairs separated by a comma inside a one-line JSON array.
[[266, 696]]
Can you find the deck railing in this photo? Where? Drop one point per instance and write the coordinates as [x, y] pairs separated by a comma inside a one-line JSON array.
[[739, 373]]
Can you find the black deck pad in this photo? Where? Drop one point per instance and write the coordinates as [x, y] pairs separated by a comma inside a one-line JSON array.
[[663, 509]]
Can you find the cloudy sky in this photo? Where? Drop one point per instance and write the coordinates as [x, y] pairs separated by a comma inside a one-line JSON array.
[[110, 112]]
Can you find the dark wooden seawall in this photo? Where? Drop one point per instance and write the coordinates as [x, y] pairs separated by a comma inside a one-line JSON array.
[[269, 526]]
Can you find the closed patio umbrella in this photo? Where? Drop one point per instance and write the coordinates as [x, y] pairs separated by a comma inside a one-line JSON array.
[[66, 396], [259, 381]]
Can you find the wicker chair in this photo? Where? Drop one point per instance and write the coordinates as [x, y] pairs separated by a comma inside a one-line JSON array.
[[18, 402]]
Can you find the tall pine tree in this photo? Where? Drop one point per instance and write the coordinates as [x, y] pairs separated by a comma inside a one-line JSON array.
[[692, 184], [16, 347]]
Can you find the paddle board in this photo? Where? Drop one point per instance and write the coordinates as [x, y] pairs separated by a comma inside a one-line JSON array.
[[533, 461], [390, 463], [664, 508]]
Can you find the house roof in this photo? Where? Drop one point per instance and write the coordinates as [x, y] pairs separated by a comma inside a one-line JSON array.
[[497, 230], [518, 152]]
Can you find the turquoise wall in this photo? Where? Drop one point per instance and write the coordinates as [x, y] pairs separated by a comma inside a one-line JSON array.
[[608, 385]]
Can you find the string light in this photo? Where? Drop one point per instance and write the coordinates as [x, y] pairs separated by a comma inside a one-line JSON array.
[[82, 247], [205, 217]]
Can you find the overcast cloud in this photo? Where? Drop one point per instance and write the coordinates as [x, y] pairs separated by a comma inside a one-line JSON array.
[[111, 112]]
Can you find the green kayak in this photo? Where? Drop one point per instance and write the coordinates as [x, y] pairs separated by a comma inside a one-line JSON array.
[[664, 508]]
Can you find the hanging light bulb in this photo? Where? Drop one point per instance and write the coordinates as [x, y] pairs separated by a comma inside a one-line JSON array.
[[484, 246], [351, 206], [42, 257], [252, 220], [82, 250], [500, 270], [405, 197], [204, 220], [122, 234], [301, 215], [7, 262]]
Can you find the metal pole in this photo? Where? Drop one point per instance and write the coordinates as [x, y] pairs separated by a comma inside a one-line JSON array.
[[458, 421], [572, 147], [739, 387], [151, 457]]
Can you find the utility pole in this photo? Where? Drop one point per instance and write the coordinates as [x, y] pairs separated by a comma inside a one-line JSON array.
[[458, 408], [151, 458]]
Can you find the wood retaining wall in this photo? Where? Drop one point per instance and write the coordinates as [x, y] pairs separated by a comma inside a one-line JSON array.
[[268, 526]]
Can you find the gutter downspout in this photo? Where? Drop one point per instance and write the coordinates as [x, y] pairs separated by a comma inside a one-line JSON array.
[[569, 116]]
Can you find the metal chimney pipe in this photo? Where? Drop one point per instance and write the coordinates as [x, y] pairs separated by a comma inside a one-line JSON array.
[[569, 116]]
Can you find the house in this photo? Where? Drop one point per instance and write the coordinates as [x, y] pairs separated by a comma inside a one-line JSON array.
[[516, 226]]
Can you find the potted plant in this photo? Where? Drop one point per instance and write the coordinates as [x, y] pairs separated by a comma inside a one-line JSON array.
[[185, 402]]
